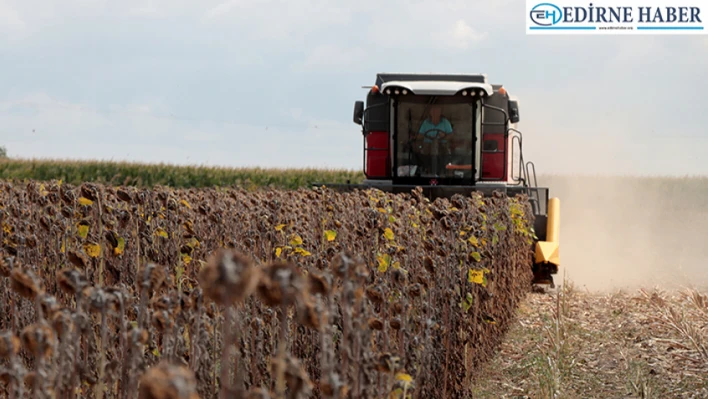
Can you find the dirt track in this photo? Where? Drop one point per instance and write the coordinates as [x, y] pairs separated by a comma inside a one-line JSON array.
[[574, 344]]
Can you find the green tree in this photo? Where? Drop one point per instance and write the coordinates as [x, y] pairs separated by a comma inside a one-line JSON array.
[[3, 152]]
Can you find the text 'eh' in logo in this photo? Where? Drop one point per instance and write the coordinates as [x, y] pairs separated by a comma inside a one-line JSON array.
[[617, 17], [546, 14]]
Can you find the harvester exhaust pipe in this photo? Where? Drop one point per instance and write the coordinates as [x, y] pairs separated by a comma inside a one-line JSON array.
[[547, 257]]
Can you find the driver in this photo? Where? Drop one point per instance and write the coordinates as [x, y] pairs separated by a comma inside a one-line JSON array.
[[432, 141], [433, 125]]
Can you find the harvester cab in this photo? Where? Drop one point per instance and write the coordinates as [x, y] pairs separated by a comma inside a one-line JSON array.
[[452, 134]]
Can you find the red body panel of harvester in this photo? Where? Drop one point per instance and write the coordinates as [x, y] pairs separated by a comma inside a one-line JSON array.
[[378, 155]]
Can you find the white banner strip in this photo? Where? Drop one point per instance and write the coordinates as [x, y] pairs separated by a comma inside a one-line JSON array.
[[617, 17]]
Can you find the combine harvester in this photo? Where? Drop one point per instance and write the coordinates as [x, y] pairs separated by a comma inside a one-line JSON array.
[[452, 134]]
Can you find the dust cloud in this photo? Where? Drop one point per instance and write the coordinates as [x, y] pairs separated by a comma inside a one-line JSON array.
[[632, 232]]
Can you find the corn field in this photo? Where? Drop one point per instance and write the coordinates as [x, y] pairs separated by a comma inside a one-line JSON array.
[[150, 175], [120, 292]]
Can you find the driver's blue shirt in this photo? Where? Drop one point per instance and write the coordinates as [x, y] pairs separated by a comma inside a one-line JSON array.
[[427, 125]]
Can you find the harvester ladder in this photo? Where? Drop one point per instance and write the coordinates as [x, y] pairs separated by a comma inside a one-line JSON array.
[[532, 188], [527, 172], [531, 164], [522, 179]]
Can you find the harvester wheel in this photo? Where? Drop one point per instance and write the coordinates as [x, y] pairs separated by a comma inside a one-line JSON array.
[[542, 276]]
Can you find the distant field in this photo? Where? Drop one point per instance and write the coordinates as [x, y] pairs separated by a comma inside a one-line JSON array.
[[149, 175]]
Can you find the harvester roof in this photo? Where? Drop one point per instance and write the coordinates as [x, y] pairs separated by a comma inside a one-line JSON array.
[[434, 83], [382, 78]]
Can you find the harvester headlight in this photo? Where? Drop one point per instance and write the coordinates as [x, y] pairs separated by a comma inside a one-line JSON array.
[[464, 92], [405, 92], [397, 92], [388, 91]]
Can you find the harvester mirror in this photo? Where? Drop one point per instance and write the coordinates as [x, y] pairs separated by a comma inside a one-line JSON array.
[[358, 112], [513, 112]]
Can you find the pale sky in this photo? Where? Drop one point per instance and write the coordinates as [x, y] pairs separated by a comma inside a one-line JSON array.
[[273, 83]]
